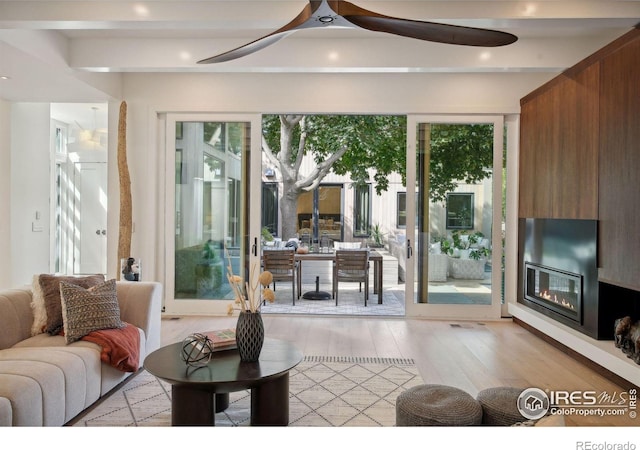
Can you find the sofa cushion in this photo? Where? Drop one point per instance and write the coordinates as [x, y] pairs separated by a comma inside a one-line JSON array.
[[25, 398], [50, 287], [87, 310], [89, 351], [67, 380], [6, 413]]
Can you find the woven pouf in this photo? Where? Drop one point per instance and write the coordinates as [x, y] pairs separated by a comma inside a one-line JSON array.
[[437, 405], [500, 406]]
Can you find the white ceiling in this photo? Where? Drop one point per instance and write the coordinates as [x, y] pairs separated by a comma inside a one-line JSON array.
[[76, 51]]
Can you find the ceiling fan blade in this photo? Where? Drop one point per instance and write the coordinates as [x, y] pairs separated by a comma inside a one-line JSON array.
[[340, 13], [434, 32], [265, 41], [417, 29], [246, 49]]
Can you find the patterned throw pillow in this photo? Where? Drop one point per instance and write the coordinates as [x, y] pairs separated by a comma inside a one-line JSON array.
[[49, 287], [87, 310]]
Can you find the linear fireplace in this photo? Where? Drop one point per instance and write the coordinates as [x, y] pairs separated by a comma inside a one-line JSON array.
[[559, 273], [559, 277], [556, 290]]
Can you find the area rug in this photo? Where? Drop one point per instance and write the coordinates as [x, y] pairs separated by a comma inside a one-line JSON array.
[[323, 392]]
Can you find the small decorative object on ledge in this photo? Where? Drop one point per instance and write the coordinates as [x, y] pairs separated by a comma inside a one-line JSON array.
[[130, 268], [250, 329], [627, 337], [196, 350]]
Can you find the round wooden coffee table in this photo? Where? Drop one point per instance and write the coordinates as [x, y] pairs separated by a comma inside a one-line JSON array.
[[198, 393]]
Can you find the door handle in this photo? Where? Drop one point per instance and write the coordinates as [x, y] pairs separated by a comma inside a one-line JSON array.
[[254, 247], [98, 232], [409, 249], [104, 232]]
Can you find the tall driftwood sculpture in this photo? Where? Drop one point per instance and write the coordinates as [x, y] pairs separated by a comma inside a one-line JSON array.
[[125, 229]]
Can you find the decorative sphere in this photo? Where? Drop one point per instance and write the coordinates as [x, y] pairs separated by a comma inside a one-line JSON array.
[[196, 350]]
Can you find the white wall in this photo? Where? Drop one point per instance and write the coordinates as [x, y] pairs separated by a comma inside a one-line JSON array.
[[334, 93], [30, 182], [5, 194], [151, 93]]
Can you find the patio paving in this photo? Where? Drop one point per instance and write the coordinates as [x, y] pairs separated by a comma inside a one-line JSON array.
[[351, 301]]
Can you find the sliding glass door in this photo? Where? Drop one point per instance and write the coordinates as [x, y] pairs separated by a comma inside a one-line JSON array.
[[455, 263], [210, 160]]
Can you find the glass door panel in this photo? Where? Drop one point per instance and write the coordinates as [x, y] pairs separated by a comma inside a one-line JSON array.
[[320, 215], [457, 228], [211, 202], [329, 214]]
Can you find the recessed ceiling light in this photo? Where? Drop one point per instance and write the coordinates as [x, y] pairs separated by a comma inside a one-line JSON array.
[[4, 77], [141, 10]]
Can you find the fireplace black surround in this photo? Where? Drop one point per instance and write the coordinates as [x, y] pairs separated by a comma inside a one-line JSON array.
[[560, 255]]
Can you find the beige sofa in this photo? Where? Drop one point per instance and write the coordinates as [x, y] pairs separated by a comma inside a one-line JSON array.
[[45, 382]]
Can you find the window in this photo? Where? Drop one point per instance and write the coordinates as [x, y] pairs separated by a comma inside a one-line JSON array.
[[270, 207], [362, 210], [401, 210], [460, 211], [225, 137], [61, 140]]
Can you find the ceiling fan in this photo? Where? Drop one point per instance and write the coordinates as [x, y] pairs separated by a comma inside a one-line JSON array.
[[340, 13]]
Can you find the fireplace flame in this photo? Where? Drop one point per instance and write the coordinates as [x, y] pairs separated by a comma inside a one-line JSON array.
[[554, 298]]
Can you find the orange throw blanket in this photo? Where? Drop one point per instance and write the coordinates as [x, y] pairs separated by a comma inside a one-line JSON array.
[[120, 347]]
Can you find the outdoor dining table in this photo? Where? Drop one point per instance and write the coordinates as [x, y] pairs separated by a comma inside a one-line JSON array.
[[331, 256]]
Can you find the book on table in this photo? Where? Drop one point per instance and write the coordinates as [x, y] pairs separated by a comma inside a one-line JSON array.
[[222, 338]]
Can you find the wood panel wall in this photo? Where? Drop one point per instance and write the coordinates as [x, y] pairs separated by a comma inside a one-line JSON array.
[[580, 153], [619, 186], [559, 149]]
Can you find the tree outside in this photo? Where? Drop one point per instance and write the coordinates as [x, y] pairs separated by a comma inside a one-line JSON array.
[[368, 148]]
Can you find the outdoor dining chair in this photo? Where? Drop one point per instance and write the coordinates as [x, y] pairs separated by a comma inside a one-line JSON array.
[[351, 266], [283, 266]]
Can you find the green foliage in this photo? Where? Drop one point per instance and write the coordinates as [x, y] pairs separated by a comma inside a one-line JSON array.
[[476, 237], [225, 136], [266, 235], [479, 253], [446, 247], [377, 235], [210, 252], [373, 142], [459, 152], [458, 242]]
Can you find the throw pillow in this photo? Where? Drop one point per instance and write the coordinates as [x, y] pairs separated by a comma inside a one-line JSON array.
[[87, 310], [38, 308], [50, 286]]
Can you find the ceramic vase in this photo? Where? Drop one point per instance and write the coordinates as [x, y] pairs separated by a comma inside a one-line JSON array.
[[249, 336]]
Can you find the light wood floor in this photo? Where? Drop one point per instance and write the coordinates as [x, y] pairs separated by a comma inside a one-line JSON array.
[[469, 355]]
